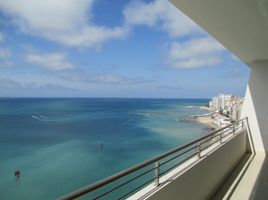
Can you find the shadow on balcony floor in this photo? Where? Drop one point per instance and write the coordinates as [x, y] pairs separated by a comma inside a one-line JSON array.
[[248, 181], [260, 191]]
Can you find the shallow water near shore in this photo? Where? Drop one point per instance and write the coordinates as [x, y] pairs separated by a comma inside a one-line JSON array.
[[61, 145]]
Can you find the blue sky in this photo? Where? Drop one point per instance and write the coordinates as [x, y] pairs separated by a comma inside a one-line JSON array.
[[103, 48]]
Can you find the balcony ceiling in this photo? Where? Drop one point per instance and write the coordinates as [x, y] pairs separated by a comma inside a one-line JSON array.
[[240, 25]]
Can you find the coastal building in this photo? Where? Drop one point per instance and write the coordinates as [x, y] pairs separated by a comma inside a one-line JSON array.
[[213, 104], [221, 103], [227, 101], [233, 164], [236, 108], [228, 104]]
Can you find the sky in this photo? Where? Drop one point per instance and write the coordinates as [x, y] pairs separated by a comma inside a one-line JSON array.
[[104, 48]]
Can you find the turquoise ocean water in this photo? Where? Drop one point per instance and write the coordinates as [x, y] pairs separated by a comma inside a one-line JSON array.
[[56, 143]]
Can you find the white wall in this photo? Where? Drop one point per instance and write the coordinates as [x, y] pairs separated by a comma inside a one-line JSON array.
[[204, 179], [256, 105]]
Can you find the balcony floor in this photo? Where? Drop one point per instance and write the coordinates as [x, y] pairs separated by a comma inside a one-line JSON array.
[[248, 181], [260, 188]]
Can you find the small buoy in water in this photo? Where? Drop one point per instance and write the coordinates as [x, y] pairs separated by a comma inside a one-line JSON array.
[[17, 173]]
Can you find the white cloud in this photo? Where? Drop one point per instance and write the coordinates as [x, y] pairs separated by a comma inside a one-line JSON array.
[[4, 53], [160, 13], [52, 61], [195, 53], [70, 22], [90, 36], [58, 63], [67, 22]]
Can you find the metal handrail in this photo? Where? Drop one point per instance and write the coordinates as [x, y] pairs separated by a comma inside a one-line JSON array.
[[108, 180]]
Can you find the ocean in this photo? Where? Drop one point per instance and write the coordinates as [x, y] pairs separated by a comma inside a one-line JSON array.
[[63, 144]]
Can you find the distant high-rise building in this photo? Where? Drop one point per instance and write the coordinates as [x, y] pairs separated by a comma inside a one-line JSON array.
[[229, 103]]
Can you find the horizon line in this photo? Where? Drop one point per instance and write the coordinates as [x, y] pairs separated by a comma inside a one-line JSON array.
[[81, 97]]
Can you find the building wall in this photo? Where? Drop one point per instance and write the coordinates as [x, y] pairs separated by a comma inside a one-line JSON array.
[[256, 105], [204, 179]]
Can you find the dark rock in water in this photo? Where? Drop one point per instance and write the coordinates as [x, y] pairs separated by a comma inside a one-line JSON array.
[[17, 173], [209, 129], [185, 118]]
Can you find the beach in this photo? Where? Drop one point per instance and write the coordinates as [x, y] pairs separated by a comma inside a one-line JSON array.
[[206, 119]]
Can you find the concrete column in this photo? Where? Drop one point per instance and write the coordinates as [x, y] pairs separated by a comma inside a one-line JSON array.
[[256, 105]]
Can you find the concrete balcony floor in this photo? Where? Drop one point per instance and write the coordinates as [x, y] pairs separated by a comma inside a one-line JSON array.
[[248, 181], [260, 189]]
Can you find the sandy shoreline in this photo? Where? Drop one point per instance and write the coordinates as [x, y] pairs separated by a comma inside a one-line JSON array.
[[206, 119]]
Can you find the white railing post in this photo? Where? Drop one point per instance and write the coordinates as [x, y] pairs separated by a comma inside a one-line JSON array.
[[157, 173]]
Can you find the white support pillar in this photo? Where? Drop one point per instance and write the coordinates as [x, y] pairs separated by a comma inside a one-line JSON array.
[[256, 105]]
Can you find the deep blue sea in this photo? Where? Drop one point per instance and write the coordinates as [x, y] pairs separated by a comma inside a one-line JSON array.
[[56, 143]]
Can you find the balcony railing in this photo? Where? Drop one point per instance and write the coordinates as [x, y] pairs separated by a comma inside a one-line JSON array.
[[127, 182]]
